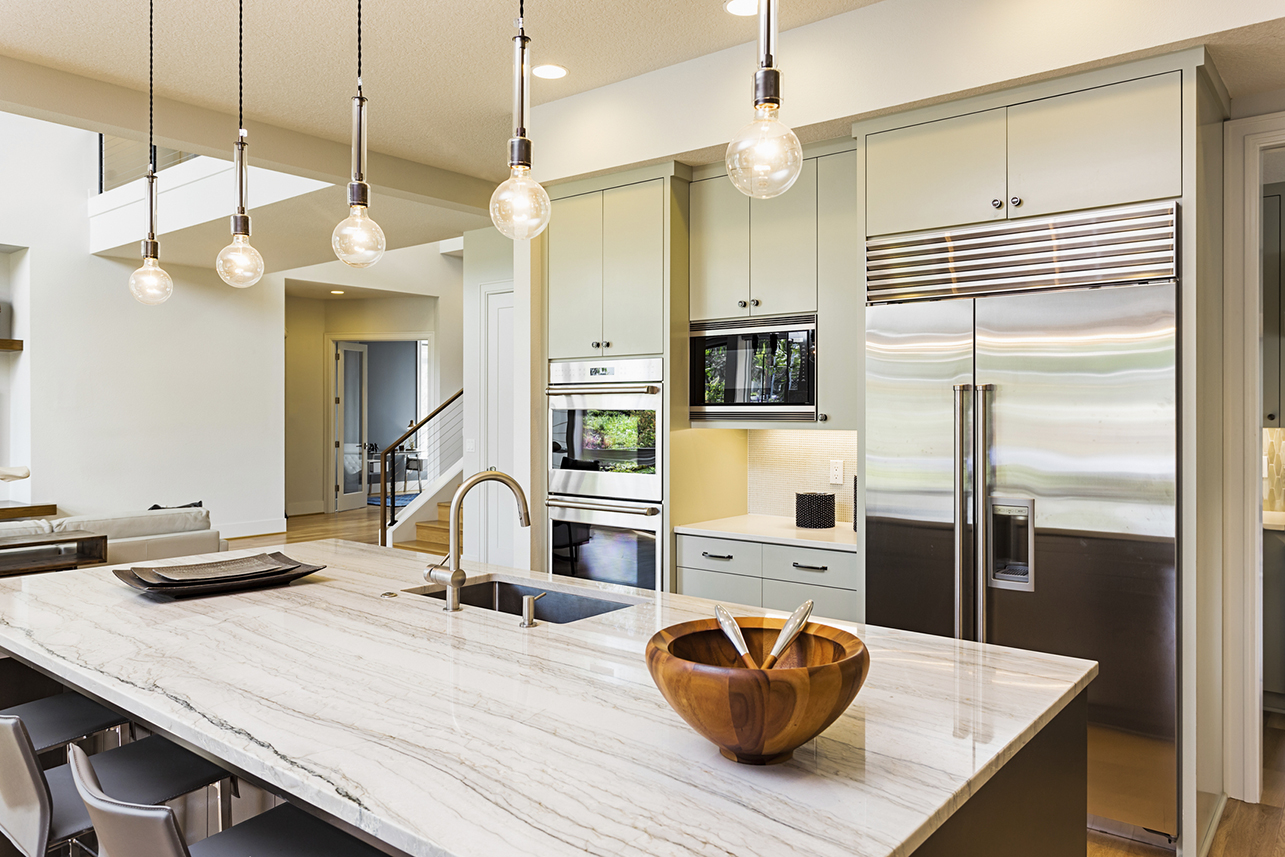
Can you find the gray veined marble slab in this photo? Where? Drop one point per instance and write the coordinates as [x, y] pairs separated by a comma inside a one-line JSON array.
[[463, 734]]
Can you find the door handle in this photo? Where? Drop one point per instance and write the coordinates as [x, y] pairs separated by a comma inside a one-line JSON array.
[[709, 555], [981, 498], [811, 567], [644, 511], [961, 505]]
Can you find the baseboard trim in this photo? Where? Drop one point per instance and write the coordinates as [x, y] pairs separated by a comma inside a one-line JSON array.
[[242, 529], [1213, 826], [308, 507]]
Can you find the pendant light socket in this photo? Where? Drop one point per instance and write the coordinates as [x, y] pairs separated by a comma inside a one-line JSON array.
[[767, 87], [520, 152], [150, 248], [241, 224]]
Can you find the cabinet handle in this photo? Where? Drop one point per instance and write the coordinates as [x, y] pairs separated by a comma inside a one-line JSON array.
[[606, 344], [755, 302], [709, 555], [1016, 201], [595, 344], [822, 417], [811, 567], [742, 304], [1271, 416], [997, 203]]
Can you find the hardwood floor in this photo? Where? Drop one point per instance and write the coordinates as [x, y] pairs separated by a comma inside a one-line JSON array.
[[358, 525], [1246, 829]]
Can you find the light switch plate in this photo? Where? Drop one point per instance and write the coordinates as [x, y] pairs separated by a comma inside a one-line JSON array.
[[836, 471], [469, 445]]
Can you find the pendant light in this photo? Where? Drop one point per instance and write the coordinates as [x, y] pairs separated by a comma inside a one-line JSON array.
[[520, 208], [239, 264], [765, 158], [150, 284], [357, 240]]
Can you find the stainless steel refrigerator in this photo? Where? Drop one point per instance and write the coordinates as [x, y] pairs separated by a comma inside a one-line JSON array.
[[1024, 376]]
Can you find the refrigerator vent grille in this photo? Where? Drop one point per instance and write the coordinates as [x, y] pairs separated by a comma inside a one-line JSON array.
[[1102, 247]]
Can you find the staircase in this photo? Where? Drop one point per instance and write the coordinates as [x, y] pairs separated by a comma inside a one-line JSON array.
[[433, 536]]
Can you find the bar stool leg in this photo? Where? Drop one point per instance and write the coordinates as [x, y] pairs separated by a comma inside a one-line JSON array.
[[224, 788]]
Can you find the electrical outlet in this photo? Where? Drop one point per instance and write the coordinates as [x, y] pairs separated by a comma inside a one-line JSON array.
[[836, 471]]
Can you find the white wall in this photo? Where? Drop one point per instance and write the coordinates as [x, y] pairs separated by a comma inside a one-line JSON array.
[[880, 58], [132, 405]]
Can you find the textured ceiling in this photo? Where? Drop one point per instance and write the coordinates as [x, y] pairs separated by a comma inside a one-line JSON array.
[[438, 74]]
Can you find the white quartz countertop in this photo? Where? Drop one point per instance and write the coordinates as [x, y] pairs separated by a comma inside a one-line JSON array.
[[773, 529], [1273, 520], [463, 734]]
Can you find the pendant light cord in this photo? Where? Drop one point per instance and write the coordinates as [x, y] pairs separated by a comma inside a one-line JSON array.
[[240, 65], [151, 86], [359, 47]]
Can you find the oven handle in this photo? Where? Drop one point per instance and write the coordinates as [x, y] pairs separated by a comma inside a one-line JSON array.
[[645, 511], [604, 389]]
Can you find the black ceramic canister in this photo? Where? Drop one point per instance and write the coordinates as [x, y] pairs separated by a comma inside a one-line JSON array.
[[814, 511]]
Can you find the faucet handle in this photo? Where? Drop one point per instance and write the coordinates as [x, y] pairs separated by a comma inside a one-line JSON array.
[[528, 609], [445, 576]]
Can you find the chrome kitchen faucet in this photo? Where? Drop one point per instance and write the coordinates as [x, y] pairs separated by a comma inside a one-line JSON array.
[[452, 576]]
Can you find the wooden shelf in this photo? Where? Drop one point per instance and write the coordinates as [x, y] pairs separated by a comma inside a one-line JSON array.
[[10, 344], [11, 509]]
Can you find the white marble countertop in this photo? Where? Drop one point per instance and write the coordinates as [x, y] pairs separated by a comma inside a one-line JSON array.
[[776, 530], [1273, 520], [463, 734]]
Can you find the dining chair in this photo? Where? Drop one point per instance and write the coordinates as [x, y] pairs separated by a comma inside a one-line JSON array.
[[58, 720], [40, 810], [131, 829]]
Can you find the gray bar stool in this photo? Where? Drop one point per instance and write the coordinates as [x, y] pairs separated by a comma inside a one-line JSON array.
[[139, 830], [58, 720], [40, 810]]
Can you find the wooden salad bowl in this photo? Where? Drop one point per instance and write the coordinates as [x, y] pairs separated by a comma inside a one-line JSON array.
[[757, 717]]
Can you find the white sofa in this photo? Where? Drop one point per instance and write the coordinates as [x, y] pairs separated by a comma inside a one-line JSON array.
[[135, 536]]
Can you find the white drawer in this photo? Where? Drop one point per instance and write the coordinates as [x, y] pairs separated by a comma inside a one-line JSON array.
[[828, 603], [726, 588], [721, 555], [808, 565]]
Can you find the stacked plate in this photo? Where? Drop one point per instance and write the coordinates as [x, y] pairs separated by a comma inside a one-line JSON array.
[[230, 575]]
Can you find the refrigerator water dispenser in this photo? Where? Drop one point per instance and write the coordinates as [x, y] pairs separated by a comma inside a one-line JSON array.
[[1012, 544]]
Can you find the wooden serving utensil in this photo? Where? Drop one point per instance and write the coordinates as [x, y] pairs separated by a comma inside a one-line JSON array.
[[789, 632], [733, 632]]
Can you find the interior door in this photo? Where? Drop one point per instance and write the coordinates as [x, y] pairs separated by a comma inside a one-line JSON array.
[[352, 472], [500, 524], [916, 354], [1083, 423]]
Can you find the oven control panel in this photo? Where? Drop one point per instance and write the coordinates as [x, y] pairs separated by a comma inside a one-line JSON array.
[[607, 371]]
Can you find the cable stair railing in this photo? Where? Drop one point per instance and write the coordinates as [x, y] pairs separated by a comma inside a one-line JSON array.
[[438, 443]]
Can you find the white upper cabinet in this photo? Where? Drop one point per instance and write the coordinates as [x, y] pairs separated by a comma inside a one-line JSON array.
[[752, 257], [937, 174], [720, 250], [575, 277], [783, 248], [607, 273], [1110, 145], [1105, 146]]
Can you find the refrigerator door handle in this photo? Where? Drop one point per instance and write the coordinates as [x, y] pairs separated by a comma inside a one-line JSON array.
[[961, 505], [981, 496]]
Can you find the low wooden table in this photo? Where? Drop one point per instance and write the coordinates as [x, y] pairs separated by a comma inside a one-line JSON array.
[[45, 552], [12, 510]]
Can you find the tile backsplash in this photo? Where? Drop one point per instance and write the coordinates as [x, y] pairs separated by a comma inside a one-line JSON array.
[[1274, 482], [783, 462]]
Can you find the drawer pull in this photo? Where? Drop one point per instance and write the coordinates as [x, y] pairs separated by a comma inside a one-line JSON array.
[[812, 567], [709, 555]]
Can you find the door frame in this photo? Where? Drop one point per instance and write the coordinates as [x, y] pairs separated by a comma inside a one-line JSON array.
[[338, 408], [1244, 140], [329, 342]]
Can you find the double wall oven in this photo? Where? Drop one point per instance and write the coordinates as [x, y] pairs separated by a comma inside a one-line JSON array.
[[606, 455]]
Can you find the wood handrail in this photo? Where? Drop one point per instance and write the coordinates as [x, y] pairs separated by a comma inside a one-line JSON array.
[[384, 511]]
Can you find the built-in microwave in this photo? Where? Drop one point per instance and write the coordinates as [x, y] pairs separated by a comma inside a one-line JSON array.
[[754, 369]]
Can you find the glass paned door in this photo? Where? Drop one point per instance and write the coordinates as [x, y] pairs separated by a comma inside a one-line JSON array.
[[353, 463]]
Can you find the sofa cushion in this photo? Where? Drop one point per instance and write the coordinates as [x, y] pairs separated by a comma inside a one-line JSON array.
[[25, 528], [133, 524]]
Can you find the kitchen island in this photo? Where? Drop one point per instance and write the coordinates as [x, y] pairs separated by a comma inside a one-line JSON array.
[[464, 734]]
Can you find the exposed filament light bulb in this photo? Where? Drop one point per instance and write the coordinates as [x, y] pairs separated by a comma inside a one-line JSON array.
[[765, 158], [520, 207], [150, 284], [239, 264], [358, 241]]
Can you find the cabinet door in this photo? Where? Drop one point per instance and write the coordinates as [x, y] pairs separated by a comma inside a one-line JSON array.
[[720, 250], [937, 174], [844, 604], [726, 588], [841, 293], [1106, 146], [783, 248], [633, 269], [575, 276], [1272, 309]]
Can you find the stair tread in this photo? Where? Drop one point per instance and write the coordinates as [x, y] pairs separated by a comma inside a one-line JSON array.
[[420, 547]]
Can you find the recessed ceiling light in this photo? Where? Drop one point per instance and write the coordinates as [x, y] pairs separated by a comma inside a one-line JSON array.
[[744, 8], [336, 291], [553, 72]]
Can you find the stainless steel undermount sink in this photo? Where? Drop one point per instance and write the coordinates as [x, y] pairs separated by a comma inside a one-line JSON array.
[[503, 597]]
